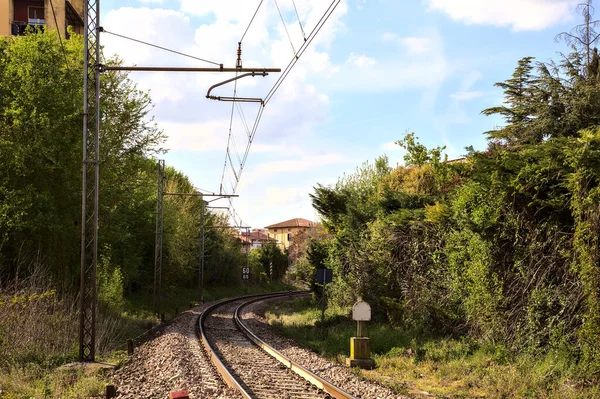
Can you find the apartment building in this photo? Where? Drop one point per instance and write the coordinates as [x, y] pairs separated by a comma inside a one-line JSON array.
[[284, 232], [17, 15]]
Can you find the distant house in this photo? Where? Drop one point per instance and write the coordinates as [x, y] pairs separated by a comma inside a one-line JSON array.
[[17, 15], [255, 239], [285, 232]]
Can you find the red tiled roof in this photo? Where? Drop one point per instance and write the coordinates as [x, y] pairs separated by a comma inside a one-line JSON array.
[[297, 222], [255, 236]]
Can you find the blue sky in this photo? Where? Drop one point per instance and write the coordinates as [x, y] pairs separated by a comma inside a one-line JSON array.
[[378, 68]]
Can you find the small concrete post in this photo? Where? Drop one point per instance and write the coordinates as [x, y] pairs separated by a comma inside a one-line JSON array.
[[360, 353]]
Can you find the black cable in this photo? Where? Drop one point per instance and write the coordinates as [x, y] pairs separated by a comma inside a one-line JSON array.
[[286, 72], [252, 20], [277, 84], [299, 21], [230, 128], [59, 36], [162, 48], [302, 49], [285, 27], [244, 122]]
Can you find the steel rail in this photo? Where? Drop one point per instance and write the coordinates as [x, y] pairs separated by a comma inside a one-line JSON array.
[[212, 355], [230, 380], [308, 375]]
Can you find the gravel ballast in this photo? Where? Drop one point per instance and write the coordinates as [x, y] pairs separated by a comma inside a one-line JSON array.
[[338, 374], [172, 360]]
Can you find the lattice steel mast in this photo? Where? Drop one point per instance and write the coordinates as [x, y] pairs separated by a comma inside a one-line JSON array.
[[89, 208]]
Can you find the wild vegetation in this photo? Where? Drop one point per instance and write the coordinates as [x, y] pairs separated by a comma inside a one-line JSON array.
[[501, 247], [40, 215]]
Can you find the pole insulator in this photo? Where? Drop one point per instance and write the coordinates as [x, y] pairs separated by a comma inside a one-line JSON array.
[[238, 64]]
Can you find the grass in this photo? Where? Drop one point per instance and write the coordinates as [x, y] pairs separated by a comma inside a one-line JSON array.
[[34, 342], [140, 305], [425, 367]]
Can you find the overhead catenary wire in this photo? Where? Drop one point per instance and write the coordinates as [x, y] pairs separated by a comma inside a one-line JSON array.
[[252, 20], [230, 132], [307, 41], [299, 20], [285, 27], [162, 48], [302, 49], [329, 11]]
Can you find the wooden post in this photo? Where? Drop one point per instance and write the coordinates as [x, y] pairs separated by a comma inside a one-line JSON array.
[[129, 347], [111, 392]]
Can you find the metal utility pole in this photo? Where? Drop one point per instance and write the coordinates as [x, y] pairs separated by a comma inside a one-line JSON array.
[[89, 194], [158, 249], [201, 277]]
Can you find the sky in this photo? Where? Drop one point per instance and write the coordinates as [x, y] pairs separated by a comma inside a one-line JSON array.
[[375, 71]]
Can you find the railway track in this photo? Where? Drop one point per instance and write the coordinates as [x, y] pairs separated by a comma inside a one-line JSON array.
[[250, 365]]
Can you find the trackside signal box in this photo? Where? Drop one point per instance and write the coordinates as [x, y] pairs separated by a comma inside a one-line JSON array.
[[324, 276]]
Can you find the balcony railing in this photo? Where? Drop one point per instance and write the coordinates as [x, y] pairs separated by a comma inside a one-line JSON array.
[[19, 28]]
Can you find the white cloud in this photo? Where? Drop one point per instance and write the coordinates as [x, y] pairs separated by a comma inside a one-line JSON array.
[[360, 61], [518, 14], [467, 95], [411, 68], [412, 45], [391, 146], [207, 136], [151, 1], [276, 196], [299, 164]]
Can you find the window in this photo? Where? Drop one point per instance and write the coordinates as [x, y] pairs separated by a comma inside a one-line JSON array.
[[289, 236], [275, 230], [36, 15]]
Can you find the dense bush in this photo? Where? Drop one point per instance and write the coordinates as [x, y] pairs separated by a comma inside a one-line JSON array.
[[503, 245]]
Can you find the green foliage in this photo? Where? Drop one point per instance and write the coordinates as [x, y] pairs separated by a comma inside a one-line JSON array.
[[268, 263], [502, 247], [110, 286], [418, 154]]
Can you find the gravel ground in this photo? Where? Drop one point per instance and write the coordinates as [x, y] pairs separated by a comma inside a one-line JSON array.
[[170, 361], [337, 374]]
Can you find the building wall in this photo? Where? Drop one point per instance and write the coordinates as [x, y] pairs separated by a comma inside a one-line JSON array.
[[9, 13], [5, 17], [281, 235], [59, 9]]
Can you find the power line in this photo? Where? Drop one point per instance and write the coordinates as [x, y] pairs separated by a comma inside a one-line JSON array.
[[302, 49], [230, 129], [252, 20], [59, 36], [307, 41], [299, 21], [285, 26], [281, 79], [162, 48]]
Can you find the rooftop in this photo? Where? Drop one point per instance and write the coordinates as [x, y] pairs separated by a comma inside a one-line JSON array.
[[297, 222]]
